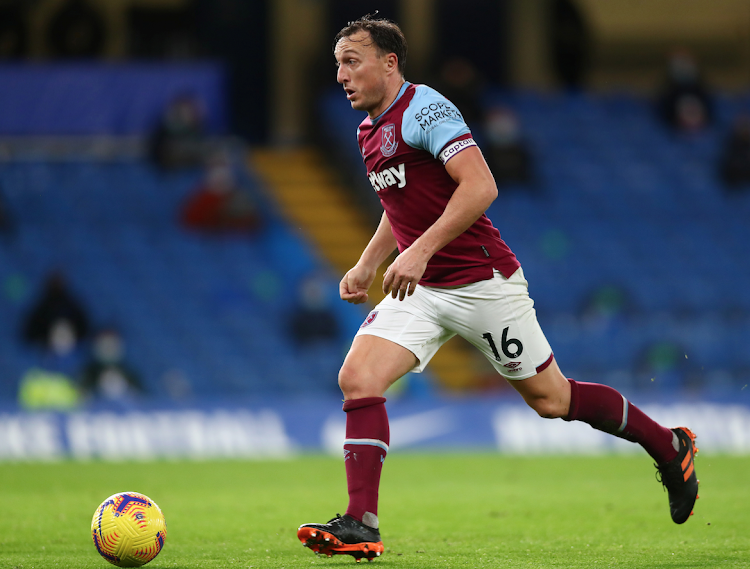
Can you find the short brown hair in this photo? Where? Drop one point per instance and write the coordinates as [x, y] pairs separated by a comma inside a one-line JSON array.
[[385, 34]]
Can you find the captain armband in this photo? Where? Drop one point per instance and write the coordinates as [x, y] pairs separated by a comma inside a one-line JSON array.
[[454, 148]]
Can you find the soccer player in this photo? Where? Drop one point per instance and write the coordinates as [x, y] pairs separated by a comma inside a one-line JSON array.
[[453, 275]]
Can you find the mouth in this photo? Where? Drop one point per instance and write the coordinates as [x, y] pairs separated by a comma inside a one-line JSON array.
[[349, 93]]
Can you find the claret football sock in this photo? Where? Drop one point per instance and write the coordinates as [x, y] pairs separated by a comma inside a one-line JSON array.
[[365, 447], [605, 409]]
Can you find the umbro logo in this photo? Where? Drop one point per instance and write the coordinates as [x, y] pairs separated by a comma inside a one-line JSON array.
[[513, 366]]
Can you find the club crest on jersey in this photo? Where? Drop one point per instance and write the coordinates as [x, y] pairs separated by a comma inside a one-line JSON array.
[[388, 142], [370, 318]]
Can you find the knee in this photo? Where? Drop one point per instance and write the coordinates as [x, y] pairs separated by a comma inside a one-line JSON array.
[[357, 382], [547, 393], [347, 379], [353, 383]]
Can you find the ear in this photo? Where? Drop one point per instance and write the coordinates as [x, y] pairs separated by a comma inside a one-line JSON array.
[[391, 63]]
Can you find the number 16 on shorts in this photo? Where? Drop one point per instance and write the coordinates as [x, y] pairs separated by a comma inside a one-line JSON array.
[[512, 348]]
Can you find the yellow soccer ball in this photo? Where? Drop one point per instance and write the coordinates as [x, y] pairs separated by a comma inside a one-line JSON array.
[[128, 529]]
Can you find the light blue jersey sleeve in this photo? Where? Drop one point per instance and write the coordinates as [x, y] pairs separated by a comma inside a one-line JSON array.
[[431, 121]]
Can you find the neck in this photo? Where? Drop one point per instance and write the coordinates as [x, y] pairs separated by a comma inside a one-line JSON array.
[[390, 96]]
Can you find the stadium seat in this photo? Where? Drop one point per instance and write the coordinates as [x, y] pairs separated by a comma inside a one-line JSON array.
[[638, 207]]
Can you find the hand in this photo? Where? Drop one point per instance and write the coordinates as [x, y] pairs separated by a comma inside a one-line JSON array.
[[355, 284], [405, 272]]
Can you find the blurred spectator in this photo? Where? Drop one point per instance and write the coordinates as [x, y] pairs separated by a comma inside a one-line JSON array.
[[179, 139], [41, 388], [218, 204], [684, 102], [49, 384], [607, 304], [460, 83], [508, 155], [734, 163], [106, 375], [55, 308], [313, 319]]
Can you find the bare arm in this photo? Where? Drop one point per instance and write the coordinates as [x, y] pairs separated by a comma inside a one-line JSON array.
[[475, 192], [380, 246], [356, 282]]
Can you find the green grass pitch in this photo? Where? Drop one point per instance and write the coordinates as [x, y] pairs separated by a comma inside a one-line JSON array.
[[451, 510]]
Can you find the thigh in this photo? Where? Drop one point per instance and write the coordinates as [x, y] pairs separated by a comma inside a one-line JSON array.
[[498, 317], [372, 365], [411, 323]]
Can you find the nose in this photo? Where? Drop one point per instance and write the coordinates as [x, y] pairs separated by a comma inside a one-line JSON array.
[[341, 74]]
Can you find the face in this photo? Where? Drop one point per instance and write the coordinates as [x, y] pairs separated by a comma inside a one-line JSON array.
[[363, 73]]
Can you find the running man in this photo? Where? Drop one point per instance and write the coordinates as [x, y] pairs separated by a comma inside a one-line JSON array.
[[453, 275]]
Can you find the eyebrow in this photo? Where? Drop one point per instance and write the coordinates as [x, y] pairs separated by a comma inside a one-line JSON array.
[[347, 50]]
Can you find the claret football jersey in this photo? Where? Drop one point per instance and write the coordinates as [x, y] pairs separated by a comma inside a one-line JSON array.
[[405, 150]]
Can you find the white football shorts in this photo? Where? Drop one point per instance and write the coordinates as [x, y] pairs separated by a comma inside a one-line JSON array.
[[496, 315]]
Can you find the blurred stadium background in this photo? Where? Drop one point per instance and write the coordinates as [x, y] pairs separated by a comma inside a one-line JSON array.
[[115, 114]]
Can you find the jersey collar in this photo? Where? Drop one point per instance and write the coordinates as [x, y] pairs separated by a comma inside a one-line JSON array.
[[401, 92]]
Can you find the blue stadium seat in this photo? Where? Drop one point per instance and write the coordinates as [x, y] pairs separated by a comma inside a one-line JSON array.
[[182, 301], [621, 202]]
